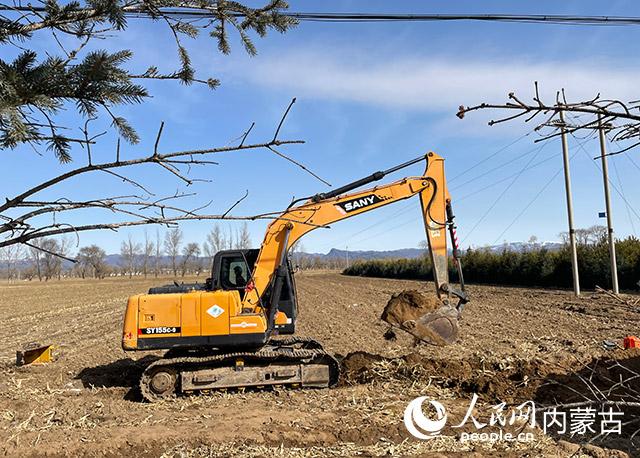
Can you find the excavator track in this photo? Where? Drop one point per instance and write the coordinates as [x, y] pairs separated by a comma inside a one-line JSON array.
[[290, 361]]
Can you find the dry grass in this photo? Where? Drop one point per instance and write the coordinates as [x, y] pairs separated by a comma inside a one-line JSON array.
[[86, 403]]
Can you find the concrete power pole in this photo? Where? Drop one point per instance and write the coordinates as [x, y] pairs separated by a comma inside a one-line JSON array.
[[607, 201], [567, 185]]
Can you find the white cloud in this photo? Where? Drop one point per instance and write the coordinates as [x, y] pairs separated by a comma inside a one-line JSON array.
[[439, 84]]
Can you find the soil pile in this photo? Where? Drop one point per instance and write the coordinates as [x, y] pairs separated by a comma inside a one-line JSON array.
[[510, 381], [614, 377], [425, 318], [409, 305]]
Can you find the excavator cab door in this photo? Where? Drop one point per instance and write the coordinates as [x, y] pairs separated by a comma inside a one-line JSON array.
[[232, 269], [288, 303]]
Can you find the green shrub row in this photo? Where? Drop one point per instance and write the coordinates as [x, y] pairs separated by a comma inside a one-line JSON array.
[[533, 267]]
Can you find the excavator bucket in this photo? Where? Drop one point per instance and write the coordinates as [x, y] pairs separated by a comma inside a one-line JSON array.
[[426, 318]]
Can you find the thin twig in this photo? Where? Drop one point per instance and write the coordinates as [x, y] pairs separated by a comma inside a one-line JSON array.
[[246, 194], [284, 156], [275, 136]]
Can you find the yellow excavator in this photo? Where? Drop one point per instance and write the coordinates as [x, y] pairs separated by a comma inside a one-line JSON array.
[[225, 333]]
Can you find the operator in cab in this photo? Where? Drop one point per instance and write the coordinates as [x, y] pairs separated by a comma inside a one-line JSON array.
[[240, 280]]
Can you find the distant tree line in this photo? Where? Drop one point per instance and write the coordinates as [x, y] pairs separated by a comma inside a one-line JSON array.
[[306, 261], [168, 254], [534, 266]]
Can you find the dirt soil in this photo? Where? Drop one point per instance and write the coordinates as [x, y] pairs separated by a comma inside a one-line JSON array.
[[408, 305], [516, 345], [423, 316]]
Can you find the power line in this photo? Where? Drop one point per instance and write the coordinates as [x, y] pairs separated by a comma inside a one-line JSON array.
[[384, 219], [632, 161], [392, 228], [495, 202], [535, 149], [526, 207], [550, 19], [405, 208], [612, 184], [615, 168], [477, 164], [502, 180], [527, 18]]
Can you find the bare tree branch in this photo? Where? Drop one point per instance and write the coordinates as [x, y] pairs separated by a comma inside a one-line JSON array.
[[20, 228], [284, 116], [246, 194], [621, 119], [298, 164]]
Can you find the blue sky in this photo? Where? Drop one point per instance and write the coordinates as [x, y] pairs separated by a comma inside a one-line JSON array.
[[368, 97]]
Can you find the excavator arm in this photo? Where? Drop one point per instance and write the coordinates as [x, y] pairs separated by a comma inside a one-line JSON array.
[[324, 209]]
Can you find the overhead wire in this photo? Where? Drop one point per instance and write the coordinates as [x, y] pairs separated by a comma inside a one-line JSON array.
[[502, 180], [491, 156], [620, 192], [624, 199], [498, 167], [553, 19], [529, 18], [386, 219], [531, 202], [615, 168], [626, 153], [137, 12], [390, 229], [389, 219], [495, 202]]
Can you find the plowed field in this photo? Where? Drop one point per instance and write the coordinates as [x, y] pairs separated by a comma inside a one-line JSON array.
[[516, 345]]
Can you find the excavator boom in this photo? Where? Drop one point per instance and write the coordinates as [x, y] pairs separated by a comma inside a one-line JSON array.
[[322, 210]]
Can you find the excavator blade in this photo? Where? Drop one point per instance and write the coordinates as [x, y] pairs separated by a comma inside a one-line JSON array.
[[426, 318]]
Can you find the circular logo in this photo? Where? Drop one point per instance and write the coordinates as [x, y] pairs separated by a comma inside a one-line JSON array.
[[418, 424]]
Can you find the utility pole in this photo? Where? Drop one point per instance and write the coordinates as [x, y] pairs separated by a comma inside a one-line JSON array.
[[607, 201], [347, 249], [567, 185]]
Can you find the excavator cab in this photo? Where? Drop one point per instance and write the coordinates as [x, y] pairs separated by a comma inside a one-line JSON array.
[[232, 270]]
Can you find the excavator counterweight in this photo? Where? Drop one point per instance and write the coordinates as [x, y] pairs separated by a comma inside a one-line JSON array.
[[222, 333]]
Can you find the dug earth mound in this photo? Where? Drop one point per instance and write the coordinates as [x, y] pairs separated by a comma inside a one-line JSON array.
[[511, 380], [610, 380]]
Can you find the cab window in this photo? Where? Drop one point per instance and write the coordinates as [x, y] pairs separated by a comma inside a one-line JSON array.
[[234, 272]]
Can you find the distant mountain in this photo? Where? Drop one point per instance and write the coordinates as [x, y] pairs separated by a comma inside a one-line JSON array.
[[335, 253], [410, 253]]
